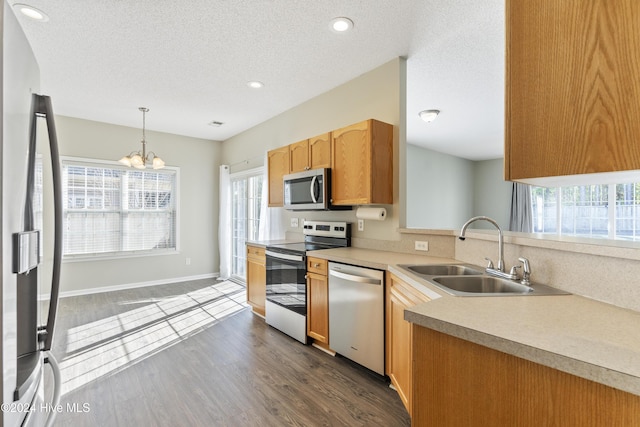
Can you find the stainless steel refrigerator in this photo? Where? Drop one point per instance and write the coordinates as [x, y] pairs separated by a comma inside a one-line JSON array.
[[26, 338]]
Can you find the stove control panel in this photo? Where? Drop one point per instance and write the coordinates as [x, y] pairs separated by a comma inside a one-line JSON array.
[[327, 228]]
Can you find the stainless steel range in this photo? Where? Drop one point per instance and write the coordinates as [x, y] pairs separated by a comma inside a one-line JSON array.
[[286, 304]]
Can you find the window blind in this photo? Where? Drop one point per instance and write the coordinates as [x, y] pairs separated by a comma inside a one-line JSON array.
[[110, 210]]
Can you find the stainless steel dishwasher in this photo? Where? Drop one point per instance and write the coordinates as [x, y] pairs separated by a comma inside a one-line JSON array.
[[356, 314]]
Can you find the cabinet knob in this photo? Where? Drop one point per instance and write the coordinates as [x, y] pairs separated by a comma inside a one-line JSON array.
[[316, 265]]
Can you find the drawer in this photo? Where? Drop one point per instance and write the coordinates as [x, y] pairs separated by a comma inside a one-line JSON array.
[[256, 253], [317, 265]]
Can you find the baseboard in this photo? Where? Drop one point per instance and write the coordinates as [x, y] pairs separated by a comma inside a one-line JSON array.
[[125, 286]]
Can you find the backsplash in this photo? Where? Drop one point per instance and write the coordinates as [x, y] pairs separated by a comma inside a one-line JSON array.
[[609, 279]]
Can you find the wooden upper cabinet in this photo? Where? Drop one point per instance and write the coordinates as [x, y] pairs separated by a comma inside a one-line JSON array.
[[362, 164], [311, 153], [320, 151], [572, 88], [278, 167], [299, 156]]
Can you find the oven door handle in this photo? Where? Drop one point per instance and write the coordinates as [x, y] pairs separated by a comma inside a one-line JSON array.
[[288, 257]]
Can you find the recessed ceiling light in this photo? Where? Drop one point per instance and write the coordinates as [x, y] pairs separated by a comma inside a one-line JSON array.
[[341, 24], [429, 115], [31, 12], [255, 84]]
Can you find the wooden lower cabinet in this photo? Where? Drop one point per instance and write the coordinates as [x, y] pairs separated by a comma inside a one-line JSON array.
[[256, 278], [460, 383], [317, 300], [400, 296]]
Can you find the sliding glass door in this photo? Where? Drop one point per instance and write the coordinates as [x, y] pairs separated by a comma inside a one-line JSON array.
[[246, 201]]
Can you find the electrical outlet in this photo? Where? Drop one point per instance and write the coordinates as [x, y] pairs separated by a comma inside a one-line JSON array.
[[361, 225], [187, 261], [294, 222], [422, 246]]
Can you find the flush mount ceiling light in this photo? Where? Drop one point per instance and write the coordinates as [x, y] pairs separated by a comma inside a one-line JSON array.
[[31, 12], [429, 115], [139, 159], [255, 84], [341, 24]]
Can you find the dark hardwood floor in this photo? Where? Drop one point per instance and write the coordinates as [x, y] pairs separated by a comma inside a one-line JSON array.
[[193, 354]]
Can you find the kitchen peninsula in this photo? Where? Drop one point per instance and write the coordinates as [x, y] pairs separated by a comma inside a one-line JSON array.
[[514, 358]]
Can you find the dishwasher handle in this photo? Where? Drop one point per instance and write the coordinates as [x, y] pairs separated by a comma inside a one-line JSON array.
[[354, 278]]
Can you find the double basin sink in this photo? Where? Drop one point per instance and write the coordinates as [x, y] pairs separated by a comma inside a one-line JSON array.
[[467, 280]]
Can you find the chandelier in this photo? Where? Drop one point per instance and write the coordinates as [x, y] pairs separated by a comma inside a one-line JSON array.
[[139, 159]]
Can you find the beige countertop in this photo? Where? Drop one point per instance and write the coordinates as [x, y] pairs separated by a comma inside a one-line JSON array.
[[577, 335], [580, 336]]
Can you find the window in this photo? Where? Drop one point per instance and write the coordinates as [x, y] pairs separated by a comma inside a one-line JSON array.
[[246, 201], [606, 211], [111, 210]]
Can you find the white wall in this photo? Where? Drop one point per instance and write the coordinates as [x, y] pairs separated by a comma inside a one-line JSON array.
[[440, 189], [492, 193], [444, 191], [198, 160], [377, 94]]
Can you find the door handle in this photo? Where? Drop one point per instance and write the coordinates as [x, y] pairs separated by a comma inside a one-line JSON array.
[[312, 189], [42, 108], [353, 278]]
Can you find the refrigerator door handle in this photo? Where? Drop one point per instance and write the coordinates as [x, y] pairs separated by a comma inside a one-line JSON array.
[[57, 387], [43, 108]]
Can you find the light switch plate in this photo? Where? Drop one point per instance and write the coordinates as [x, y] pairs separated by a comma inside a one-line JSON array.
[[294, 222]]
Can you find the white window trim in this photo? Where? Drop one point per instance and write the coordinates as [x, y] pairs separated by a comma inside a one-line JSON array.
[[83, 161]]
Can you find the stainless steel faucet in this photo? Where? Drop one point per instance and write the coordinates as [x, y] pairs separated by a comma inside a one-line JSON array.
[[494, 271], [526, 271]]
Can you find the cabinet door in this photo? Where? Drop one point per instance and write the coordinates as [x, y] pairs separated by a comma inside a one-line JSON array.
[[460, 383], [572, 86], [399, 367], [278, 166], [318, 307], [351, 172], [320, 151], [362, 164], [256, 279], [299, 156]]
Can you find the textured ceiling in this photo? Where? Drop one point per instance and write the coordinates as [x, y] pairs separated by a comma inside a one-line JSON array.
[[189, 62]]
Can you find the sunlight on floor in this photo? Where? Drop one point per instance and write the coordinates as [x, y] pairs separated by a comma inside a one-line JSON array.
[[109, 345]]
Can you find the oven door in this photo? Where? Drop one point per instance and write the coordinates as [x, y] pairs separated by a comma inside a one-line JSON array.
[[286, 282]]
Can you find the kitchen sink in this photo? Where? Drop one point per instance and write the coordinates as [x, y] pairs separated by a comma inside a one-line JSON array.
[[471, 280], [482, 285], [442, 270]]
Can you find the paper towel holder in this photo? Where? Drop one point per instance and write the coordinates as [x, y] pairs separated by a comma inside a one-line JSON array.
[[371, 213]]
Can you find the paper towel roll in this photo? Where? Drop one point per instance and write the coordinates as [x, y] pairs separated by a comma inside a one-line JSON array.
[[376, 214]]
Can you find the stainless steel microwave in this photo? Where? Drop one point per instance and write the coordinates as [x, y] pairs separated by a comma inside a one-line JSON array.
[[309, 191]]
